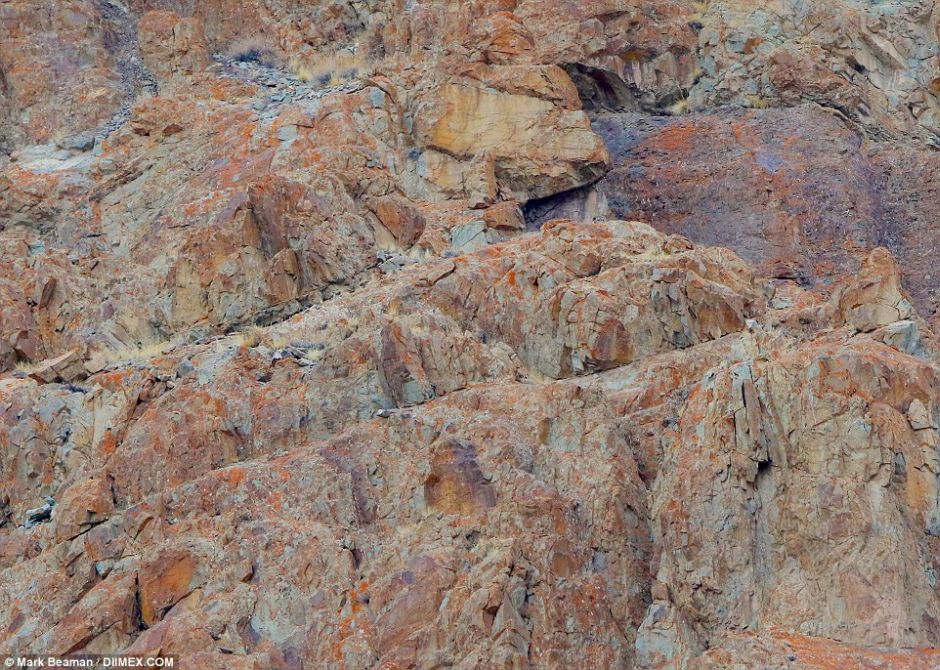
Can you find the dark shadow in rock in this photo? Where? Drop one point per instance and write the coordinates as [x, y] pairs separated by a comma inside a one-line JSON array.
[[580, 204], [602, 90]]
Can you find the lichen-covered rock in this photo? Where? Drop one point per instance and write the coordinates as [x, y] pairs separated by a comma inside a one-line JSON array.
[[171, 44], [874, 297], [532, 148], [57, 72], [408, 545], [486, 334]]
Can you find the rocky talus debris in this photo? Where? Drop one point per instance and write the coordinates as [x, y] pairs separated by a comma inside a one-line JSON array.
[[378, 334]]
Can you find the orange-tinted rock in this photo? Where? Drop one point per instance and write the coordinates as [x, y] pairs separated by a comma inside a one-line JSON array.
[[807, 208], [371, 366], [86, 505], [164, 581], [66, 367], [874, 298], [505, 215], [535, 148], [58, 76], [456, 485], [171, 44], [400, 217], [106, 617]]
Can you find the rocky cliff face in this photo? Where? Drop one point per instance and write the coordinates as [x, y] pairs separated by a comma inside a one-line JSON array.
[[490, 334]]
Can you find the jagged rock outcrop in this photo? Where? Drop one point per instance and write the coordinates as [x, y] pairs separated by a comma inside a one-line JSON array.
[[489, 334], [799, 191], [420, 411]]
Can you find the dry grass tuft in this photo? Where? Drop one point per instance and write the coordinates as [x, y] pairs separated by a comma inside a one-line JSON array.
[[699, 9], [27, 367], [140, 352], [756, 102], [331, 69], [256, 336], [252, 49], [251, 337], [679, 108], [103, 357]]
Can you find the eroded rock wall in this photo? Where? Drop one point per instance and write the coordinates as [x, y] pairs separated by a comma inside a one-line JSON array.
[[491, 334]]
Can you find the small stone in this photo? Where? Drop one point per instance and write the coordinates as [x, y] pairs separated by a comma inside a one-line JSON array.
[[918, 416], [39, 515], [440, 271], [469, 237], [287, 133], [504, 215], [65, 368]]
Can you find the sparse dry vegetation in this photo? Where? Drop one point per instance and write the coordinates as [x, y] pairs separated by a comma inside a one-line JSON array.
[[107, 357], [27, 367], [699, 9], [757, 102], [250, 337], [255, 336], [140, 352], [331, 69], [680, 107], [252, 49]]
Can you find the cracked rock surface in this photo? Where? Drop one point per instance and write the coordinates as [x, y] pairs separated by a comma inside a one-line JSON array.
[[386, 334]]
